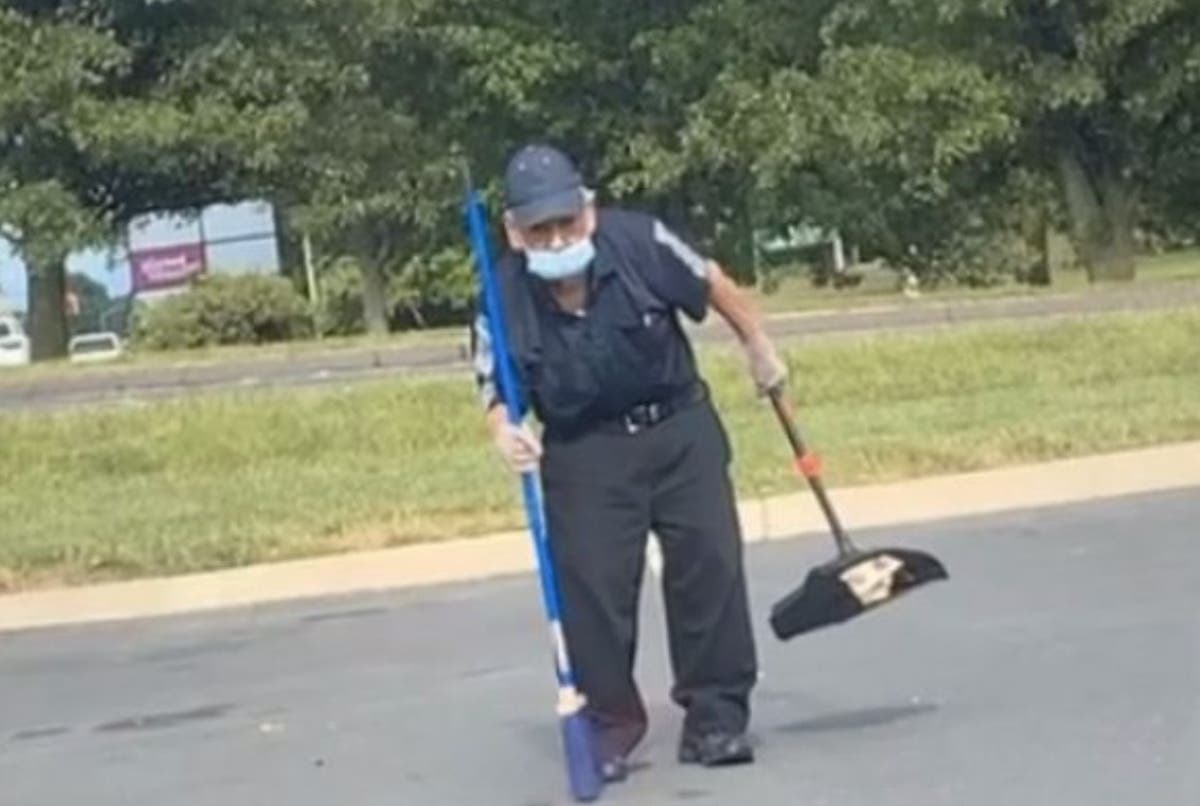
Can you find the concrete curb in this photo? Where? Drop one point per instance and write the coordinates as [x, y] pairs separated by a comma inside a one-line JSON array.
[[1060, 482]]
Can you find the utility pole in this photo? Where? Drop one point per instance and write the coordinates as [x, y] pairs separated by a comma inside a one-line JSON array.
[[310, 276]]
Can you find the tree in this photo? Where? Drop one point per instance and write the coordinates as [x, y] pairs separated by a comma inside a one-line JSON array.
[[50, 70], [926, 133], [383, 158], [902, 123], [109, 110], [1093, 85]]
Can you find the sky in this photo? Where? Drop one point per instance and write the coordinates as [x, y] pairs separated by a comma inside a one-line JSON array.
[[111, 266]]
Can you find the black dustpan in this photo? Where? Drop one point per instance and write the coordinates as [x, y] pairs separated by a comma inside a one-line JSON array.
[[856, 580]]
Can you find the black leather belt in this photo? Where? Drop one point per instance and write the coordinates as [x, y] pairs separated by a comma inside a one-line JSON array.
[[633, 421], [647, 415]]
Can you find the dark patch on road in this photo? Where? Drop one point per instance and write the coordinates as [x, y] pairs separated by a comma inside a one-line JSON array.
[[859, 719], [33, 734], [341, 615], [167, 719]]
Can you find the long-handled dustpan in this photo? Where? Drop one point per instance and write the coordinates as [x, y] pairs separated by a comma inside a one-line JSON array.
[[854, 581]]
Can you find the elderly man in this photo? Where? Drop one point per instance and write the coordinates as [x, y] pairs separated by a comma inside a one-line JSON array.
[[630, 443]]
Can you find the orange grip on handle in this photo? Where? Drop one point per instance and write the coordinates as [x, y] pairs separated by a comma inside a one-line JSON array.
[[809, 465]]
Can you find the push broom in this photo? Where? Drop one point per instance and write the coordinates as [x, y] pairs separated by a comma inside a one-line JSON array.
[[854, 581], [583, 771]]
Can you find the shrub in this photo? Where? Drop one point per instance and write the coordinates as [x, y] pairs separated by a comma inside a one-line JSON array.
[[224, 309]]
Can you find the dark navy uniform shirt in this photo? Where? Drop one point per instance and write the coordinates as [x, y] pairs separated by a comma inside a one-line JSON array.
[[626, 348]]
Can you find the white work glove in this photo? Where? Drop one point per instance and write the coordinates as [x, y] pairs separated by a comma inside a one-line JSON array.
[[766, 368], [519, 447]]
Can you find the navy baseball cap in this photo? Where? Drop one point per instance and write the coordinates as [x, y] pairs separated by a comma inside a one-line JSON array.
[[542, 184]]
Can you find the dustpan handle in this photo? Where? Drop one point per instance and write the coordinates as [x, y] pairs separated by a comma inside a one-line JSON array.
[[809, 466]]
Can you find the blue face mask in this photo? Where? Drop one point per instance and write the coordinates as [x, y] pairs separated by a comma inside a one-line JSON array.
[[559, 265]]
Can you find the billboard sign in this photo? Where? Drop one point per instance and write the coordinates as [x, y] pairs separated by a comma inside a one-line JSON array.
[[166, 266]]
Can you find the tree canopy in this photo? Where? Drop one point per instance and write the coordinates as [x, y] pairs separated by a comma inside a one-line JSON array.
[[939, 135]]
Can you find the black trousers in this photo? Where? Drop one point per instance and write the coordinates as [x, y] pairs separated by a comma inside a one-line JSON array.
[[604, 492]]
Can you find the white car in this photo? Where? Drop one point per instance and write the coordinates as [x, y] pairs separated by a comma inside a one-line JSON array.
[[14, 344], [91, 347]]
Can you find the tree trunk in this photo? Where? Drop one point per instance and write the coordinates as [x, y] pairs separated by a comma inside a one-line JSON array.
[[1101, 211], [839, 254], [47, 309], [1042, 273], [1116, 198], [374, 299], [371, 257]]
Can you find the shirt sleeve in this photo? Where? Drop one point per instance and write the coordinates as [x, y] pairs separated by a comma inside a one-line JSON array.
[[488, 380], [679, 274], [484, 362]]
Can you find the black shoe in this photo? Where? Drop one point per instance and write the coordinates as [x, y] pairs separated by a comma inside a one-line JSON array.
[[716, 749], [615, 740], [614, 769]]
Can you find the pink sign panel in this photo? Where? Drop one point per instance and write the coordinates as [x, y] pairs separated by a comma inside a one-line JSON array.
[[166, 267]]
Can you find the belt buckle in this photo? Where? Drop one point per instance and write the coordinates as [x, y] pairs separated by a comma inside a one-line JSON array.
[[643, 416]]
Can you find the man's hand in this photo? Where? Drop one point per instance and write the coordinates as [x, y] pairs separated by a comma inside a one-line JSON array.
[[518, 445]]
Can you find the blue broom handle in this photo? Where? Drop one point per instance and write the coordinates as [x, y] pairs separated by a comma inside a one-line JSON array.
[[535, 510]]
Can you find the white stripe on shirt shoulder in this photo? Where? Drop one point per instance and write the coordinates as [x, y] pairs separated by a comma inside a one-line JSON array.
[[686, 255]]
